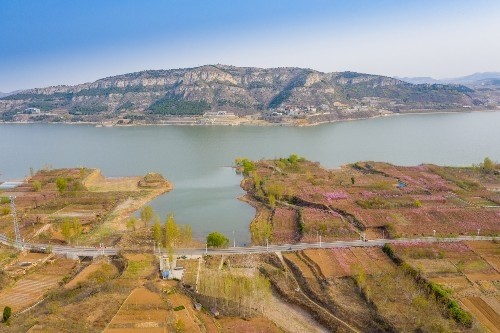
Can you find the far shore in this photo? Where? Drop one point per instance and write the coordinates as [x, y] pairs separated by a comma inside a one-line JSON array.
[[258, 123]]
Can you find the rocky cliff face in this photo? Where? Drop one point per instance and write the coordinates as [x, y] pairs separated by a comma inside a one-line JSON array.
[[243, 90]]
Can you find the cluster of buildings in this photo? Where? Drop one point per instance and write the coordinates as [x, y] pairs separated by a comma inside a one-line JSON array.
[[293, 110]]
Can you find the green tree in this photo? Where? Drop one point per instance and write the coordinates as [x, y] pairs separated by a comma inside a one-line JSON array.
[[216, 239], [187, 234], [146, 214], [61, 184], [353, 180], [487, 166], [171, 231], [245, 165], [131, 223], [7, 312], [157, 231], [71, 229]]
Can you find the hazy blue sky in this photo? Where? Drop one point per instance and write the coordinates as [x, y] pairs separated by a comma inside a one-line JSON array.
[[53, 42]]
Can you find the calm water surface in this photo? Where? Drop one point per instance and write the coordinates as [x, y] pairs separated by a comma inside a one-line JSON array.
[[196, 159]]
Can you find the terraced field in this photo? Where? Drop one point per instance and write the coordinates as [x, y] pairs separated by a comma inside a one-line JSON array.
[[378, 199], [143, 311], [31, 288], [340, 262], [469, 270], [330, 287]]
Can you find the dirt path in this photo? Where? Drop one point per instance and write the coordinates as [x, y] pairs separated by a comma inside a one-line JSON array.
[[291, 318], [340, 321]]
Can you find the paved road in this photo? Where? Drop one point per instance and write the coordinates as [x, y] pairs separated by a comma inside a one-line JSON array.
[[65, 250], [93, 252], [303, 246]]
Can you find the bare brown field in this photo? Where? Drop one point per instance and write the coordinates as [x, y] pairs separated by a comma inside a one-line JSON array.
[[88, 271], [304, 269], [96, 182], [32, 287], [330, 225], [142, 311], [341, 262], [253, 325], [186, 317], [285, 226], [329, 268], [482, 310], [208, 322]]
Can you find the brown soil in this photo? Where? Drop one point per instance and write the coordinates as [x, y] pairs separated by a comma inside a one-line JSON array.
[[291, 318], [252, 325], [187, 316], [85, 273], [32, 287], [142, 309], [328, 267], [483, 312]]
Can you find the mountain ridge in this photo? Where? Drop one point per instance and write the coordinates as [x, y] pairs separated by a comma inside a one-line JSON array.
[[154, 94], [472, 79]]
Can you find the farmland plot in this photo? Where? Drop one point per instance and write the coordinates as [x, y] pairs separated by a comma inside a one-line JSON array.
[[143, 311], [468, 269], [31, 288], [285, 226]]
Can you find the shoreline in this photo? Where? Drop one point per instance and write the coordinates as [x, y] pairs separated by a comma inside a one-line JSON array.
[[250, 123]]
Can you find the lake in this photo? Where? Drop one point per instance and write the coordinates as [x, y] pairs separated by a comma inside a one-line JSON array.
[[197, 159]]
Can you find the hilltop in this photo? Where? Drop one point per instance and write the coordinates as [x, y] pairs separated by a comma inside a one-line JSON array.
[[272, 94]]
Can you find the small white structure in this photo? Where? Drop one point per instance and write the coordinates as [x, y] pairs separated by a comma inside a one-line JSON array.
[[169, 270], [32, 111], [219, 114]]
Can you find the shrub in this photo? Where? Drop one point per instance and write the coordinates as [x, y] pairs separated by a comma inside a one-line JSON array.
[[61, 184], [216, 239], [5, 211], [7, 312], [246, 165], [37, 186]]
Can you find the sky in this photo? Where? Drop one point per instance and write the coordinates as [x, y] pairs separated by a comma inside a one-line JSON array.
[[54, 42]]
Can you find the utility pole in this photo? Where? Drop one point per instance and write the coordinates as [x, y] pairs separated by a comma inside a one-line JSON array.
[[267, 245], [17, 233], [234, 240]]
